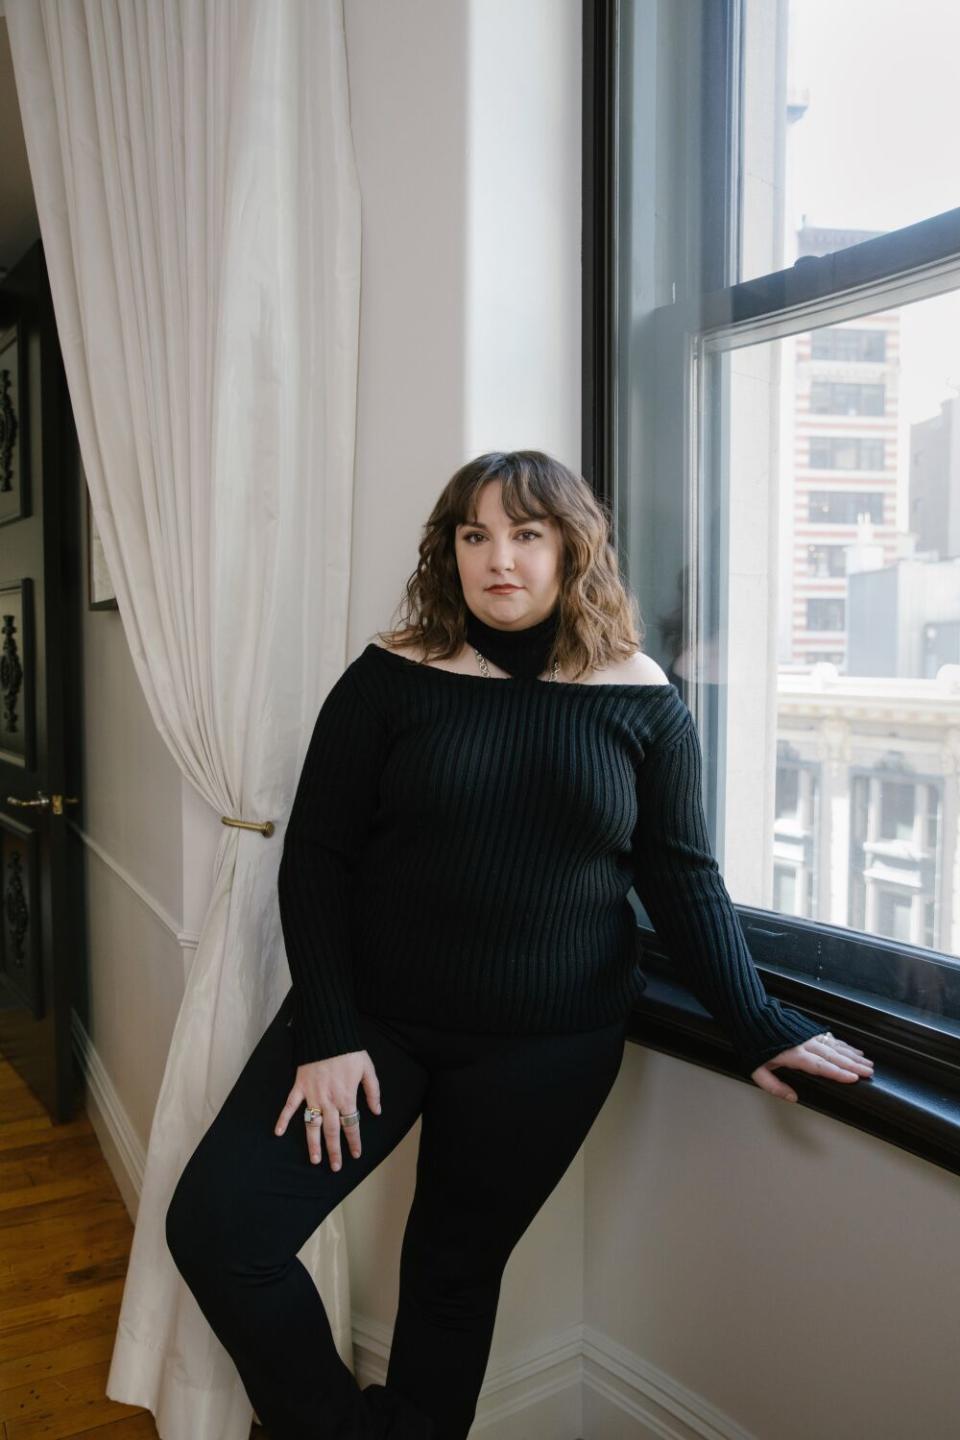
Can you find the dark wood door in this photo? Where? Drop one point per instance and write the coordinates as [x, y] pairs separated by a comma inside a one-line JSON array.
[[42, 956]]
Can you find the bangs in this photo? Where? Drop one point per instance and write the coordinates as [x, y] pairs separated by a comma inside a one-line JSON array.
[[519, 494]]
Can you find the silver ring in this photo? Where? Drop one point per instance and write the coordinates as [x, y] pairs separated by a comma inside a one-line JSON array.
[[350, 1120]]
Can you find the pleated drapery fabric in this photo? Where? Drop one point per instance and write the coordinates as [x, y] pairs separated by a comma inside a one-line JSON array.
[[200, 218]]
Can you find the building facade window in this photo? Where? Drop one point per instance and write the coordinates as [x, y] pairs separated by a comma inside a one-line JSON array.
[[825, 612], [894, 855], [844, 507], [827, 560], [846, 452], [851, 344], [842, 397]]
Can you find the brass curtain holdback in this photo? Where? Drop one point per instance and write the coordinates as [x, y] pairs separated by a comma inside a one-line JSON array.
[[266, 827]]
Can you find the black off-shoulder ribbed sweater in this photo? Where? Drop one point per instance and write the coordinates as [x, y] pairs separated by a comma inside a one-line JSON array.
[[459, 853]]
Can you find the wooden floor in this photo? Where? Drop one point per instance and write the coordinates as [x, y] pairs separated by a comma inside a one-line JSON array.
[[65, 1239]]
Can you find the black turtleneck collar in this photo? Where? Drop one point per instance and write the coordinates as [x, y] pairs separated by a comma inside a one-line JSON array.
[[523, 653]]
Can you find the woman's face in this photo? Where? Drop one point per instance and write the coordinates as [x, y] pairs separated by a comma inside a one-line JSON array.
[[497, 551]]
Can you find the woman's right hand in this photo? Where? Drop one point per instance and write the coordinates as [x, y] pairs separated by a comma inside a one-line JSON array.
[[332, 1085]]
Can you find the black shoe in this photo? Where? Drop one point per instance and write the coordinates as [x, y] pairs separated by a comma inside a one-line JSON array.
[[393, 1417]]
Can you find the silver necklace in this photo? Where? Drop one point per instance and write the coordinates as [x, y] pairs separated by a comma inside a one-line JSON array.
[[484, 669]]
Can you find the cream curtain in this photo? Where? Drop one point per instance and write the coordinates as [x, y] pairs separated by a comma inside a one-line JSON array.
[[200, 216]]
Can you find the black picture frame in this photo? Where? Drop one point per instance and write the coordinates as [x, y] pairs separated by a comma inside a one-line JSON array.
[[14, 433]]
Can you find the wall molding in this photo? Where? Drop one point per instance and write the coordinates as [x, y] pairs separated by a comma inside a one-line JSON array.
[[517, 1395], [186, 939], [656, 1404], [581, 1367]]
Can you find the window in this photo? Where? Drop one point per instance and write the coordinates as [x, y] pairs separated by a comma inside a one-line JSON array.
[[851, 153], [894, 856], [838, 397], [846, 452], [897, 811], [885, 707], [825, 612], [796, 823], [844, 507], [772, 412], [828, 560], [852, 344]]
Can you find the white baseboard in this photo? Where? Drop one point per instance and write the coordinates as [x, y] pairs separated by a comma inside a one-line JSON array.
[[576, 1383], [627, 1398], [119, 1141], [534, 1396]]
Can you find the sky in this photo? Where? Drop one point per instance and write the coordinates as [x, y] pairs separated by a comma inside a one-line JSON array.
[[878, 148]]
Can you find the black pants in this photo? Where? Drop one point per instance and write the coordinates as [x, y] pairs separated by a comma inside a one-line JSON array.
[[502, 1117]]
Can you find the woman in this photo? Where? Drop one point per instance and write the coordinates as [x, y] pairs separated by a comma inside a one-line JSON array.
[[480, 791]]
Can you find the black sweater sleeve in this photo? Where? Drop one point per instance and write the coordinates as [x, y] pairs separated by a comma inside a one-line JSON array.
[[678, 880], [328, 823]]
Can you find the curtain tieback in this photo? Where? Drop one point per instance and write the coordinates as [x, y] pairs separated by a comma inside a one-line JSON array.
[[266, 827]]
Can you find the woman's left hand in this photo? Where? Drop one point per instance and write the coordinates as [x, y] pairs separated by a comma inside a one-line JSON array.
[[821, 1055]]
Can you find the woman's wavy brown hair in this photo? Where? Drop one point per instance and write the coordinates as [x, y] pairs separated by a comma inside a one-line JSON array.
[[600, 620]]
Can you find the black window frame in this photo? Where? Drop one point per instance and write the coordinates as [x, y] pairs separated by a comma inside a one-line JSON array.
[[913, 1099]]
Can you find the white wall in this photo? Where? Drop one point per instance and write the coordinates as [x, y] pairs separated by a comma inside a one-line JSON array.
[[466, 122], [755, 1258], [133, 817]]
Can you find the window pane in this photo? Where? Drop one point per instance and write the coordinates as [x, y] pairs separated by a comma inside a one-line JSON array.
[[836, 655], [849, 108]]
